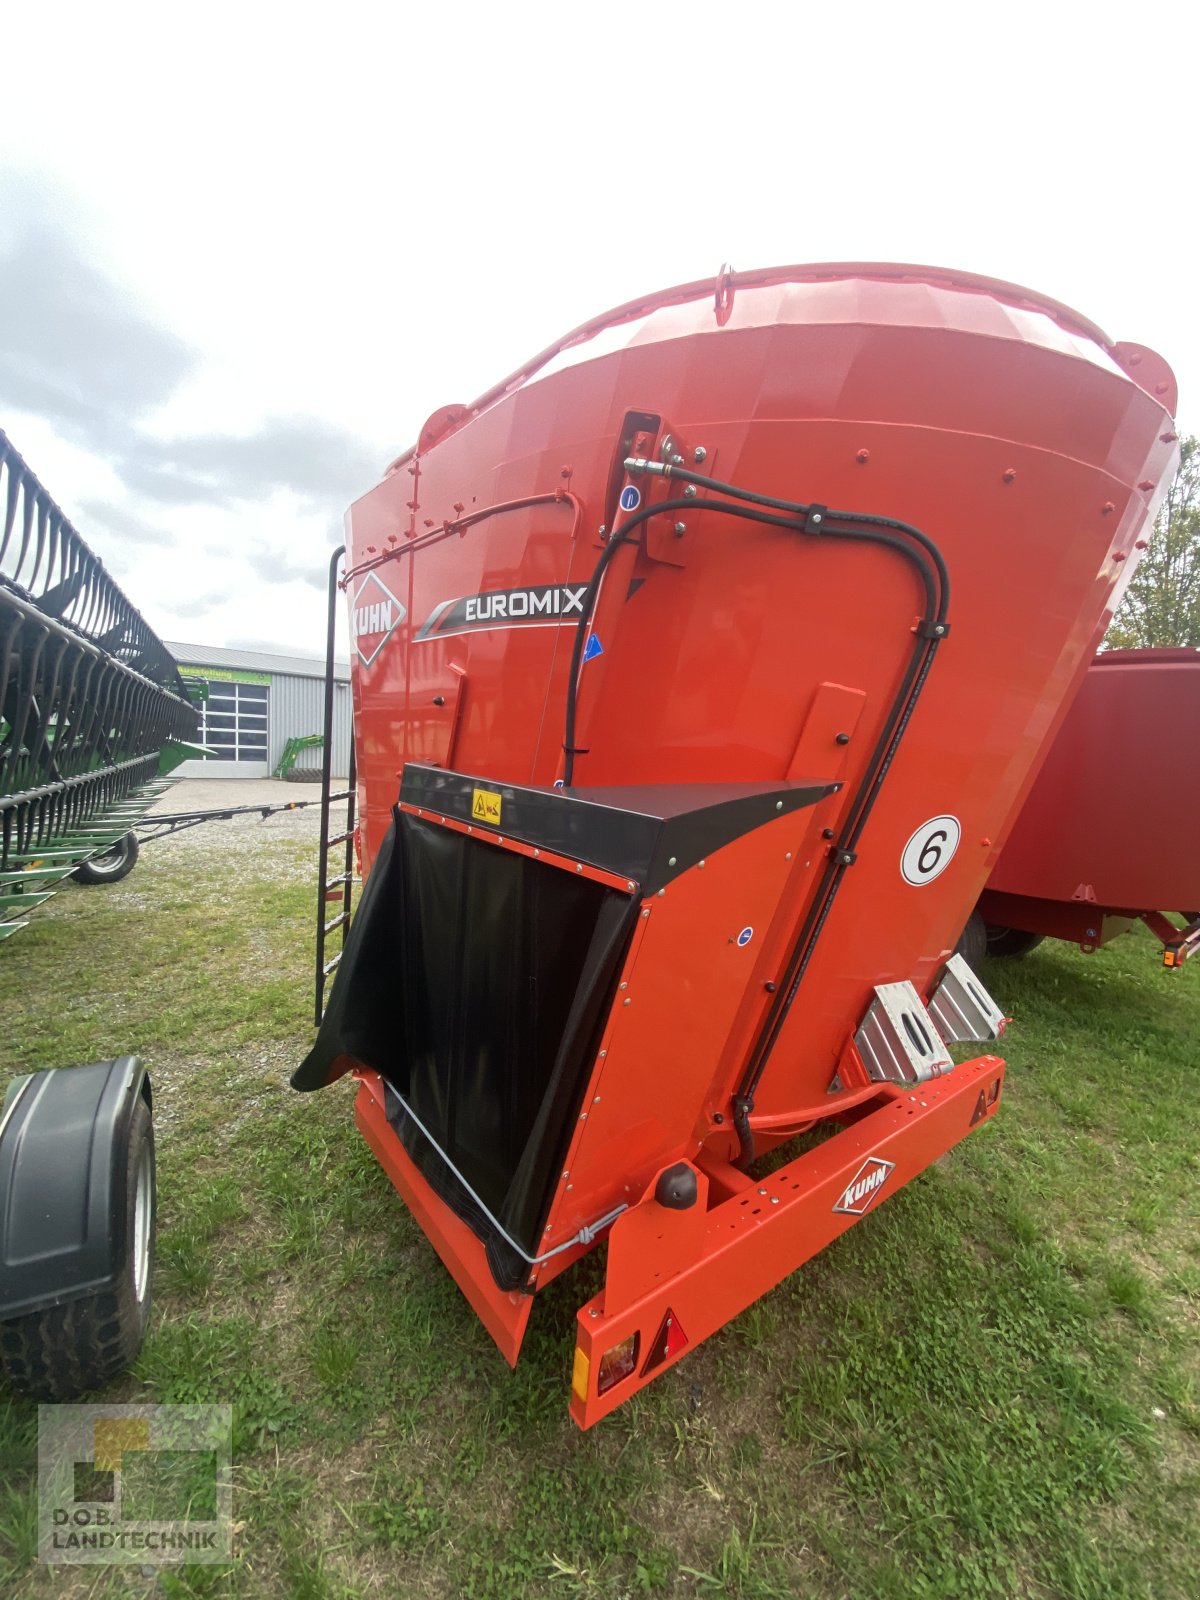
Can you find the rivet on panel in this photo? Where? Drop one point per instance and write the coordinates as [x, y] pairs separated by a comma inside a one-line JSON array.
[[1168, 438], [628, 1001], [787, 855], [1141, 544], [624, 986], [862, 457], [537, 852], [646, 912], [1107, 509], [699, 454], [689, 491], [671, 860], [700, 863], [1146, 485], [779, 805], [1009, 474], [1120, 555]]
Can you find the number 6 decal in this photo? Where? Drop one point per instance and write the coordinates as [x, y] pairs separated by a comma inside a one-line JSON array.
[[930, 850]]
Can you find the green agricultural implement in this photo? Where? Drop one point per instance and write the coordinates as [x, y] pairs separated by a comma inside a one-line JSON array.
[[292, 749], [93, 712]]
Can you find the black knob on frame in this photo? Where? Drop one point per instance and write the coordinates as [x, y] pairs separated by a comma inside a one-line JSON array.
[[676, 1188]]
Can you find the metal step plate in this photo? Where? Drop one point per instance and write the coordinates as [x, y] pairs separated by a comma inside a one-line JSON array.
[[962, 1008], [897, 1040]]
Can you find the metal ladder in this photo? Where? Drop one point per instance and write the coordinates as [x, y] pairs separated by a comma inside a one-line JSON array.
[[338, 889]]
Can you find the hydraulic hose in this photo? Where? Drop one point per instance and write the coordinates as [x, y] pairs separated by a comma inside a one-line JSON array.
[[799, 521], [815, 520]]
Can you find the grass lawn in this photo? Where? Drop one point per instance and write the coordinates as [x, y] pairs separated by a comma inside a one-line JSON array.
[[989, 1387]]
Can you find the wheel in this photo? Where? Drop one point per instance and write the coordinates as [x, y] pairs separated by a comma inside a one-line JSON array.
[[113, 865], [972, 945], [1011, 941], [66, 1350]]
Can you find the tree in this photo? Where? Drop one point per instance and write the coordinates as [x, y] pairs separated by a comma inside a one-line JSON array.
[[1162, 603]]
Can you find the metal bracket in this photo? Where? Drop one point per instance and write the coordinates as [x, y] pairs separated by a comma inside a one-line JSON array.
[[962, 1008], [897, 1040]]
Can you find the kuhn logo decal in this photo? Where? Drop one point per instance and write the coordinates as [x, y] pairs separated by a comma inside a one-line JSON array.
[[542, 605], [860, 1193], [374, 617]]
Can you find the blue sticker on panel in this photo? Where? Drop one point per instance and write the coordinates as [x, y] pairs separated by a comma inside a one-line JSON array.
[[631, 497], [592, 648], [745, 937]]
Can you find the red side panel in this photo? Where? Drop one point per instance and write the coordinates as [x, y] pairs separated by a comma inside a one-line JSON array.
[[1109, 821]]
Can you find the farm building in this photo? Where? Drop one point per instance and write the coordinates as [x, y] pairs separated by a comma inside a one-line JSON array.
[[256, 702]]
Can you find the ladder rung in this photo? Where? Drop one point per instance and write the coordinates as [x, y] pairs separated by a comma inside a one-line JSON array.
[[340, 838], [329, 965], [337, 922], [342, 877]]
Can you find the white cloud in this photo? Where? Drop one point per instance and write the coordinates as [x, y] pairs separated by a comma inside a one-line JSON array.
[[361, 215]]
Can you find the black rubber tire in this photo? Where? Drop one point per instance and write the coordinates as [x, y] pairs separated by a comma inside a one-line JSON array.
[[1011, 942], [972, 945], [70, 1349], [113, 865]]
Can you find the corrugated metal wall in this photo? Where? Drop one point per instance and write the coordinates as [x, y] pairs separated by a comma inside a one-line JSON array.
[[298, 707]]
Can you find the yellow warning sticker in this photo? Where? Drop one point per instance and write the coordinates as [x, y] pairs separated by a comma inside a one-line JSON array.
[[485, 805]]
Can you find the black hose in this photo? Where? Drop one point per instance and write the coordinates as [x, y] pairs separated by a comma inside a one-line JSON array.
[[796, 523], [932, 629], [861, 518]]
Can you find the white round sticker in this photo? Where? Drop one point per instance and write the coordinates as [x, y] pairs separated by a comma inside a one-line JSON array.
[[930, 850]]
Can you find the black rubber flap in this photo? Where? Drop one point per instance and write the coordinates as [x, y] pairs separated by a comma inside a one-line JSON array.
[[476, 981]]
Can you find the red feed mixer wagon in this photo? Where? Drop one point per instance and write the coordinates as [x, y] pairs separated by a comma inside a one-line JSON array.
[[1103, 840], [701, 665]]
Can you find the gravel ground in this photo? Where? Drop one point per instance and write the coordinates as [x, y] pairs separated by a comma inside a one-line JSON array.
[[222, 838]]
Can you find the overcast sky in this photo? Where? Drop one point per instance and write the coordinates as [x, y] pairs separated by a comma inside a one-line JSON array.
[[246, 249]]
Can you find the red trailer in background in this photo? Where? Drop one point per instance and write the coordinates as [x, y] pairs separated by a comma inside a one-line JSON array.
[[699, 666], [1107, 835]]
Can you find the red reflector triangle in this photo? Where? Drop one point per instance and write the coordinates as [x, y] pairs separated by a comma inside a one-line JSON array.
[[669, 1341]]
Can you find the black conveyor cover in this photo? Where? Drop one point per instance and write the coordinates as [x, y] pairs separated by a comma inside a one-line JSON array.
[[477, 980]]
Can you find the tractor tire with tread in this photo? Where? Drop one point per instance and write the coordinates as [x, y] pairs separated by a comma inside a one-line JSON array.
[[972, 945], [115, 863], [65, 1350], [1008, 943]]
